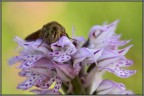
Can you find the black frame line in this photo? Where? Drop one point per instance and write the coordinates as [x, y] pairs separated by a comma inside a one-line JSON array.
[[1, 47], [143, 46], [72, 0]]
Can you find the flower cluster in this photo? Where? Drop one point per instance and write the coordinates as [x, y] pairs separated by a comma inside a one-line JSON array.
[[76, 65]]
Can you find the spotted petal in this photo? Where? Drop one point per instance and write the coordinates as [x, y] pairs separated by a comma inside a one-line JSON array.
[[57, 85], [29, 82], [111, 87], [115, 68], [65, 48], [107, 58], [121, 72], [29, 63]]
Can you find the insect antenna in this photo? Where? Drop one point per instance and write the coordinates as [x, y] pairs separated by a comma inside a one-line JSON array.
[[43, 40]]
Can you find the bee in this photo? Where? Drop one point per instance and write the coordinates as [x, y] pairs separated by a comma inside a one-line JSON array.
[[49, 33]]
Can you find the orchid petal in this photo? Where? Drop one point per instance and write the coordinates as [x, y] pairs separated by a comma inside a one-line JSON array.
[[26, 73], [29, 82], [55, 53], [125, 50], [42, 48], [123, 63], [57, 85], [45, 63], [110, 87], [61, 42], [77, 68], [66, 69], [97, 53], [112, 26], [78, 42], [121, 72], [96, 80], [62, 58], [124, 42], [66, 45], [70, 49], [105, 84], [78, 60], [104, 63], [46, 85], [94, 74], [43, 71], [107, 58], [23, 44], [30, 63], [62, 75], [14, 60], [98, 35], [87, 55]]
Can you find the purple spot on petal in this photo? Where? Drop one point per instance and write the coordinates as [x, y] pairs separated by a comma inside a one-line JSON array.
[[24, 74], [127, 64], [71, 51], [94, 34], [57, 53], [26, 64], [96, 51], [121, 51]]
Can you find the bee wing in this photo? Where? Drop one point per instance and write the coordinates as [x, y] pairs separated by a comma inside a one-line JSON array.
[[33, 36]]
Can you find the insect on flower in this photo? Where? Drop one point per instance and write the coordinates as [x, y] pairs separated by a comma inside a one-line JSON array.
[[49, 55], [49, 33]]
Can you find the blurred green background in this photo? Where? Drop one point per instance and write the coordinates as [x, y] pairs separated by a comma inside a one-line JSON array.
[[23, 18]]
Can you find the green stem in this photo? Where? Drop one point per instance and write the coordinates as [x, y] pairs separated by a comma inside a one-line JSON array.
[[77, 86], [64, 88]]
